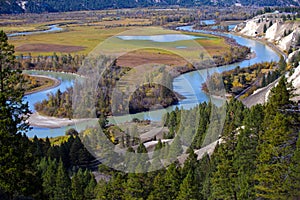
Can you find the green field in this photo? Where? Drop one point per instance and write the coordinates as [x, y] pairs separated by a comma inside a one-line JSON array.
[[90, 37]]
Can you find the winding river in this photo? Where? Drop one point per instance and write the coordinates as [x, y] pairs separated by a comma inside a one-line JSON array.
[[187, 85], [51, 28]]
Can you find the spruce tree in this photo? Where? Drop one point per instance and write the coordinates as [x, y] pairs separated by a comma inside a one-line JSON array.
[[274, 147], [282, 64], [78, 185], [272, 163], [265, 28], [134, 187], [16, 160], [62, 184], [89, 191], [49, 183], [292, 182], [187, 188], [225, 175], [159, 189]]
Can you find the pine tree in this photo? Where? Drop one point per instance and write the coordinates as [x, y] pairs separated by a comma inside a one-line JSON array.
[[264, 81], [282, 64], [172, 180], [78, 185], [292, 183], [114, 189], [274, 145], [16, 160], [278, 99], [272, 163], [159, 188], [271, 23], [13, 111], [205, 170], [225, 175], [223, 180], [245, 154], [48, 179], [175, 149], [62, 184], [265, 28], [134, 187], [89, 191], [245, 157], [187, 188]]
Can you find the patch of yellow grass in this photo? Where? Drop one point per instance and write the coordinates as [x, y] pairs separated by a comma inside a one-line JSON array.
[[86, 36], [58, 140], [23, 28]]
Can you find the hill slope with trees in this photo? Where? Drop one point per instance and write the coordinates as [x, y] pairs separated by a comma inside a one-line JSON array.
[[39, 6]]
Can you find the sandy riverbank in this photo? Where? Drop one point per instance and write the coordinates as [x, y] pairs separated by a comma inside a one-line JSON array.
[[37, 120]]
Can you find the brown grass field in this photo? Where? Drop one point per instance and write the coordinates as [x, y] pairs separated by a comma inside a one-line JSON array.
[[138, 58], [39, 47]]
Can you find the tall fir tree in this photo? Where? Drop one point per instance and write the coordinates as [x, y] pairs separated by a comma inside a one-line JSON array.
[[77, 185], [274, 145], [48, 175], [62, 184], [187, 188], [292, 182], [16, 160]]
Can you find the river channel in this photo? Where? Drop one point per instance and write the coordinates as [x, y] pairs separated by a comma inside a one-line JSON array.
[[188, 85]]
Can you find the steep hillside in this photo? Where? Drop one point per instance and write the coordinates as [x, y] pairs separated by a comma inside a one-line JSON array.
[[275, 28], [37, 6]]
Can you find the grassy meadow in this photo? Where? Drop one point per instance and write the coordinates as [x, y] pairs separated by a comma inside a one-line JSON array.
[[82, 38]]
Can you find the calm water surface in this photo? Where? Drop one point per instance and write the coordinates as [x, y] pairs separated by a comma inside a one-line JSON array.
[[160, 38], [52, 28]]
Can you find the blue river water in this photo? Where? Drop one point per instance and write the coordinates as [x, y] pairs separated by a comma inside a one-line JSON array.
[[67, 81], [51, 28], [161, 38], [188, 85]]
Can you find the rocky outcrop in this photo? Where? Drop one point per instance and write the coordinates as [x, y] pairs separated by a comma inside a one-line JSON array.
[[272, 28], [289, 41], [260, 96], [291, 55], [253, 28], [295, 79], [275, 32]]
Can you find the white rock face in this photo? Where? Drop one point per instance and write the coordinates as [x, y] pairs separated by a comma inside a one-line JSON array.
[[250, 28], [255, 27], [288, 41], [274, 32], [295, 79], [292, 55]]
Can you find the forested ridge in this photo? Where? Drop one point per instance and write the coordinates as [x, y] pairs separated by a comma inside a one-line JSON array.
[[38, 6]]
